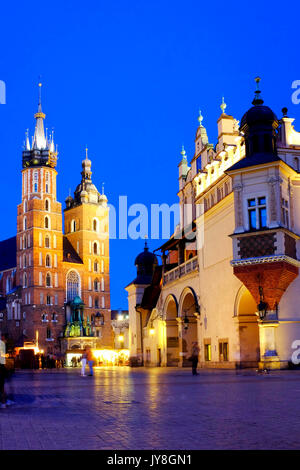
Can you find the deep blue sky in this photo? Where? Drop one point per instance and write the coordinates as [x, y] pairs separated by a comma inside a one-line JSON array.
[[127, 79]]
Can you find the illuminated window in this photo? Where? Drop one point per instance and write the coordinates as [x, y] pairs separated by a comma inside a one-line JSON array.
[[73, 285], [207, 352], [257, 213]]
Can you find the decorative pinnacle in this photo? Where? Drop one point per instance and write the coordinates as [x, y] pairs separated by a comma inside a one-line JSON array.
[[284, 112], [146, 244], [257, 99], [200, 118], [223, 106], [86, 153], [183, 153], [103, 189]]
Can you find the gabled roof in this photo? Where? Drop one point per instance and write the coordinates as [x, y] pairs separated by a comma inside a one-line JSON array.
[[254, 160], [8, 254], [152, 292], [69, 253]]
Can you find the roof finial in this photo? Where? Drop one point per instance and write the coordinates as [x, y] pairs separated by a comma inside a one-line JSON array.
[[183, 153], [200, 118], [223, 106], [40, 95], [146, 248], [86, 152], [258, 101], [103, 188]]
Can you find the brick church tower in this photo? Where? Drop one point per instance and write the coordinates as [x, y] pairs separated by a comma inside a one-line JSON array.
[[62, 279], [40, 239], [87, 230]]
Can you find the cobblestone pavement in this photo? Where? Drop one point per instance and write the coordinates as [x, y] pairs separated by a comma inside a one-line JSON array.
[[123, 408]]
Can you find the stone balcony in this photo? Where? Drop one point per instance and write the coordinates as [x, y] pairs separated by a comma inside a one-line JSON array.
[[265, 246], [182, 270]]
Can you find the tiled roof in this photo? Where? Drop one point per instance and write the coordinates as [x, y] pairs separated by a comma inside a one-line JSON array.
[[70, 255], [8, 254]]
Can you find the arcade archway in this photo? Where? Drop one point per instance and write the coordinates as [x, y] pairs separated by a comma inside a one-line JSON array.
[[245, 312], [171, 314]]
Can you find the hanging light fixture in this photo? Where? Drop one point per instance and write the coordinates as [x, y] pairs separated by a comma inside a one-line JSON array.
[[262, 306], [152, 329]]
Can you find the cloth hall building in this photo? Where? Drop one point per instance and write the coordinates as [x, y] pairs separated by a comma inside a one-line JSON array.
[[229, 277], [55, 285]]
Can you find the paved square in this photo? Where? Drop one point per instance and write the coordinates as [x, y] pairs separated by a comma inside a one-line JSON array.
[[123, 408]]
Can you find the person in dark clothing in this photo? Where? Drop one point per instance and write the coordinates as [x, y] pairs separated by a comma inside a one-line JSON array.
[[195, 357]]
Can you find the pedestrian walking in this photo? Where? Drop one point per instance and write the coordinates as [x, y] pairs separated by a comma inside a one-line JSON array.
[[195, 357], [2, 371], [90, 360], [83, 363]]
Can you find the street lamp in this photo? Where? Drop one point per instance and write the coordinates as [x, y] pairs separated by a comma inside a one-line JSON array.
[[185, 322], [152, 329], [262, 306]]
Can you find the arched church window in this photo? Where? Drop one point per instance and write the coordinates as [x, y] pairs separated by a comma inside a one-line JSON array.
[[96, 266], [47, 205], [25, 280], [47, 222], [25, 206], [47, 241], [95, 225], [48, 280], [96, 248], [35, 181], [47, 182], [73, 226], [48, 261], [73, 285], [96, 285], [25, 223]]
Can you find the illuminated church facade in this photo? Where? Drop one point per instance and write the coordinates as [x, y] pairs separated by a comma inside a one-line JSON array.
[[229, 277], [55, 283]]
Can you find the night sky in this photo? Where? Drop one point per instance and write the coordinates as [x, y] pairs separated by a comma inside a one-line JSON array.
[[127, 79]]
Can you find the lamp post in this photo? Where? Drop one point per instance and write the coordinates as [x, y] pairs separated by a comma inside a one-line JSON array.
[[262, 306]]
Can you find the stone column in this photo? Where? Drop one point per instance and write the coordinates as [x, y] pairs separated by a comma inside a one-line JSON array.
[[269, 358]]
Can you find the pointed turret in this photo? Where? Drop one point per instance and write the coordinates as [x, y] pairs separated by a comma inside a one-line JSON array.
[[39, 139], [42, 150]]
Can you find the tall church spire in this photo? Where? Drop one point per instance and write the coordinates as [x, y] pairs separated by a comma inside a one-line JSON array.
[[39, 139], [42, 150]]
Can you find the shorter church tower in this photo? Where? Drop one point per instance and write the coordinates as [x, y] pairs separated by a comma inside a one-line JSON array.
[[87, 231]]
